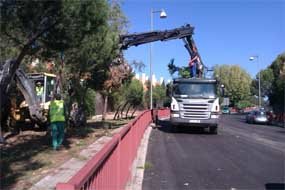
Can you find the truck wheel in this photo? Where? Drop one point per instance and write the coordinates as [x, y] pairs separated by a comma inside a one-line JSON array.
[[173, 128], [250, 121], [214, 130]]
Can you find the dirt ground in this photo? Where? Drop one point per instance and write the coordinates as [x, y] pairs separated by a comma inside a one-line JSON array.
[[28, 156]]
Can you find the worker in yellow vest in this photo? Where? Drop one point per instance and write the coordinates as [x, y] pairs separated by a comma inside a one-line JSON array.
[[39, 91], [57, 121]]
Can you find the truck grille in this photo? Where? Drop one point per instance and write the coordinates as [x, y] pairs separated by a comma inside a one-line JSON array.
[[195, 111]]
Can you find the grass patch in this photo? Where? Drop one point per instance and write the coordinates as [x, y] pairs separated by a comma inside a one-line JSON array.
[[148, 165], [118, 122], [80, 143], [109, 123]]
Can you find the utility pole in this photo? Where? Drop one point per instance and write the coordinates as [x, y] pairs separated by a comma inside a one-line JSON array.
[[256, 57], [162, 15]]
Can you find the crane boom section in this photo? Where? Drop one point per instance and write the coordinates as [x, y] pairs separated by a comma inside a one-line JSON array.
[[147, 37]]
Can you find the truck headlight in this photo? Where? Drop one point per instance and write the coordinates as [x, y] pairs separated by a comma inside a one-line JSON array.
[[214, 116], [174, 115], [215, 106], [174, 105]]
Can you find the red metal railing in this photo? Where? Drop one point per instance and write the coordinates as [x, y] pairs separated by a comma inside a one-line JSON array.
[[110, 168]]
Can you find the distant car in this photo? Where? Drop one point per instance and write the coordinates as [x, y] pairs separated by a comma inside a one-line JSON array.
[[270, 117], [257, 117], [233, 110], [226, 110]]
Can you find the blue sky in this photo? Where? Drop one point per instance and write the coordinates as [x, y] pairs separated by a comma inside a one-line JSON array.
[[226, 32]]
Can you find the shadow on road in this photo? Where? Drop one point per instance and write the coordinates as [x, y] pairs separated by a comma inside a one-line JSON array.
[[235, 117], [165, 126], [274, 186]]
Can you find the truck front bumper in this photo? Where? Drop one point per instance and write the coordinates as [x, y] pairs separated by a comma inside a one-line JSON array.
[[177, 121]]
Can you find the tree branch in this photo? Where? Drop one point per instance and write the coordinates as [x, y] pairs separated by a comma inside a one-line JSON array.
[[30, 41], [13, 38]]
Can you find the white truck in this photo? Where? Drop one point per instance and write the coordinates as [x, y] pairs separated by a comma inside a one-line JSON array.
[[194, 103]]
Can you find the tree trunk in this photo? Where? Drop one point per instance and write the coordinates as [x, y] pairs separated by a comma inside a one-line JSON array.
[[117, 112], [123, 108], [105, 107], [135, 109], [126, 116]]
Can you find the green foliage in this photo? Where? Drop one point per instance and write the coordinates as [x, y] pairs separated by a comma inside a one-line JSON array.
[[85, 32], [89, 102], [134, 93], [184, 72], [90, 49], [276, 95], [131, 92], [243, 104], [159, 95], [272, 83], [237, 82], [266, 80], [79, 29], [146, 98], [22, 21]]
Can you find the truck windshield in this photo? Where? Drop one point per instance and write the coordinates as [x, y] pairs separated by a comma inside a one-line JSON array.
[[194, 90]]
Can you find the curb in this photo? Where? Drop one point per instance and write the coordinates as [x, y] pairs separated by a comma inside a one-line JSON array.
[[137, 170]]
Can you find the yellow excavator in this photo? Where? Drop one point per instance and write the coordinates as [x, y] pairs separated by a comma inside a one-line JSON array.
[[30, 106]]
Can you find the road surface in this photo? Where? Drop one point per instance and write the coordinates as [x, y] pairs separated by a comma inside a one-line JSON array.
[[241, 156]]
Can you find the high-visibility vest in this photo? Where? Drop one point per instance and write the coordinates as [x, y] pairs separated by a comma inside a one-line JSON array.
[[39, 90], [56, 111]]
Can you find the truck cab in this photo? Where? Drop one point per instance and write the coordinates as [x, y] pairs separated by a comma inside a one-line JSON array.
[[194, 103]]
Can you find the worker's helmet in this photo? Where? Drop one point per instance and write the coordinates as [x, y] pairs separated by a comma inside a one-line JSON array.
[[39, 83]]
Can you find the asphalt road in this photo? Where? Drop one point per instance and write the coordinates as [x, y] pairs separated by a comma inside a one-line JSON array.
[[241, 156]]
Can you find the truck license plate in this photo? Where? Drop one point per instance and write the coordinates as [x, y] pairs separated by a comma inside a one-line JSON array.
[[194, 121]]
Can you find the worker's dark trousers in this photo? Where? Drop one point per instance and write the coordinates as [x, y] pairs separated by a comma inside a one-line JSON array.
[[57, 131], [193, 70]]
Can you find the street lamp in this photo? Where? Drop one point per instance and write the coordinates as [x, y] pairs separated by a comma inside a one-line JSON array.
[[251, 59], [162, 15]]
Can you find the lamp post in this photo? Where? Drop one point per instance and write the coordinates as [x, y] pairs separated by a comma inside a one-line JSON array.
[[162, 15], [259, 91]]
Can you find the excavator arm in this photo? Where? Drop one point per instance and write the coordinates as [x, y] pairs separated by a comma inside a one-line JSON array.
[[27, 89], [9, 72]]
